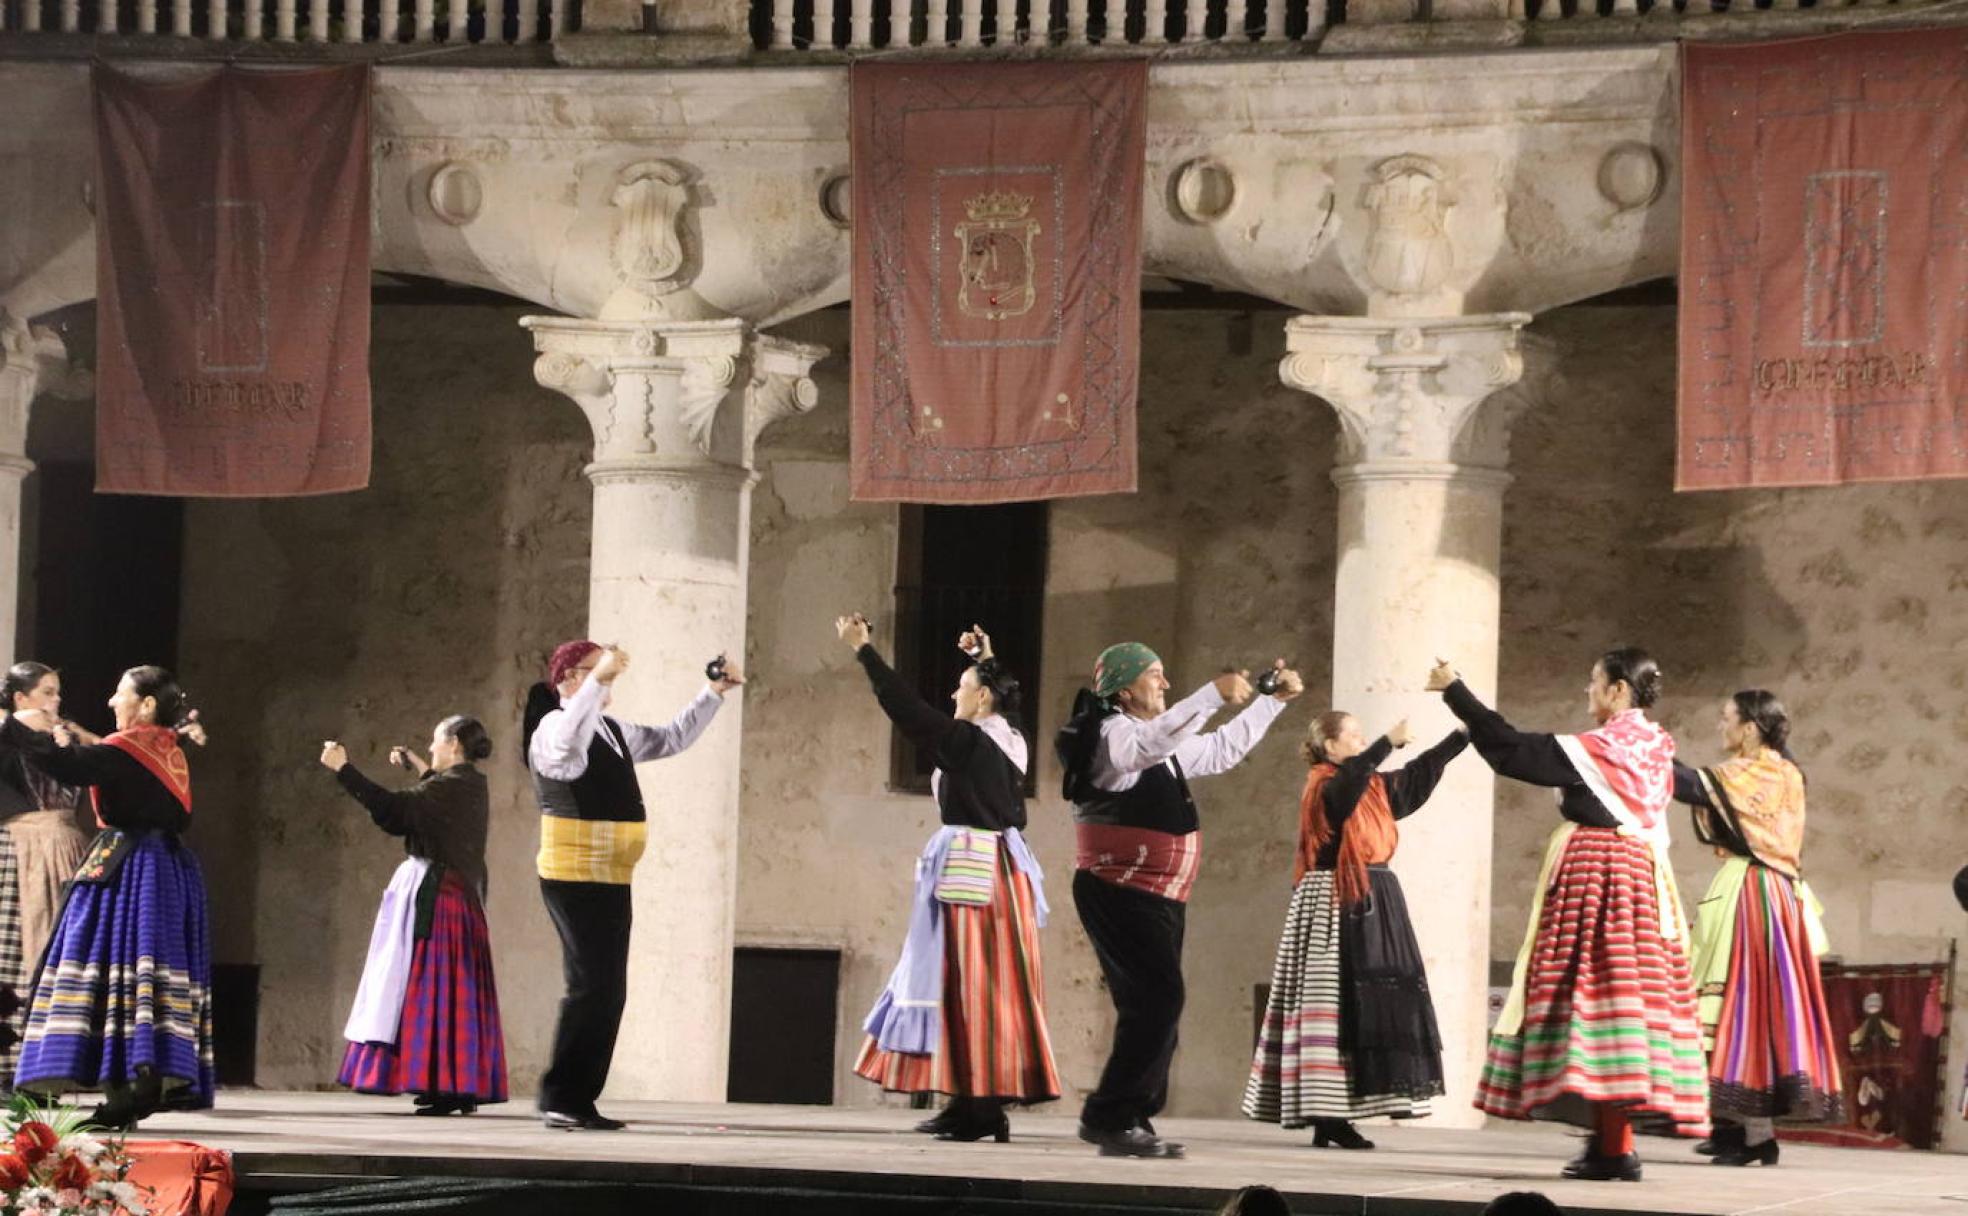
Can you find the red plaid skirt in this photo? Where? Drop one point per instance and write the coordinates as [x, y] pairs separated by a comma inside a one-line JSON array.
[[449, 1042]]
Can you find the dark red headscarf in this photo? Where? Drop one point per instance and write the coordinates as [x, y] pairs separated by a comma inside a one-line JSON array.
[[566, 657]]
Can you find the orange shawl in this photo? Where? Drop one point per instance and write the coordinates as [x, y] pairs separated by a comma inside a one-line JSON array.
[[1369, 837], [1760, 799]]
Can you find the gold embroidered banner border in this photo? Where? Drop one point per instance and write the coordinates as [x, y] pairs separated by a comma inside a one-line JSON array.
[[232, 282], [1824, 260], [997, 279]]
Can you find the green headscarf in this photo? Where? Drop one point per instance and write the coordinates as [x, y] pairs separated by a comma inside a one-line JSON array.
[[1121, 665]]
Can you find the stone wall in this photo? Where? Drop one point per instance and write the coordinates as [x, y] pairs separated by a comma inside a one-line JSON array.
[[367, 617]]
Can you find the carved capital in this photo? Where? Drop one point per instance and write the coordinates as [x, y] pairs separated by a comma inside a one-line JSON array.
[[1412, 393], [673, 398], [33, 360], [780, 386]]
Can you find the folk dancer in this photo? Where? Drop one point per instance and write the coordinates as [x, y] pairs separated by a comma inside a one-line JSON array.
[[964, 1012], [1599, 1029], [1349, 1031], [593, 829], [1128, 757]]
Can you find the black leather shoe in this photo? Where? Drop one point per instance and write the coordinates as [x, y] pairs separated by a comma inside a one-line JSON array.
[[1588, 1167], [445, 1105], [567, 1121], [1725, 1137], [1132, 1142], [1758, 1154], [1337, 1133]]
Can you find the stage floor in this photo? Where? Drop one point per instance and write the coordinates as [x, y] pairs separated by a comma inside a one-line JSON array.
[[284, 1142]]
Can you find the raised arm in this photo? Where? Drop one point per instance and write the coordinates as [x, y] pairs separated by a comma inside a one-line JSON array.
[[656, 742], [560, 744], [1134, 745], [1343, 791], [1410, 787], [1535, 759], [393, 810], [921, 722], [1225, 747]]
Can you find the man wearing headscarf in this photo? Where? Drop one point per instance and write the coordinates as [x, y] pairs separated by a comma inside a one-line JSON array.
[[1137, 856], [592, 832]]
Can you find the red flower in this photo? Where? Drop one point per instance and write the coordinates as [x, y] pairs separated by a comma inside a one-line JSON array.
[[72, 1174], [34, 1141], [13, 1172]]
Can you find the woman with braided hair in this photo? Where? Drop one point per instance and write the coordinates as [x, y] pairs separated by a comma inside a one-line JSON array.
[[1757, 939], [1350, 1032], [964, 1011]]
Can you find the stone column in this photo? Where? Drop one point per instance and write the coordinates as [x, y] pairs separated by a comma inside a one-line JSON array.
[[676, 408], [1421, 479]]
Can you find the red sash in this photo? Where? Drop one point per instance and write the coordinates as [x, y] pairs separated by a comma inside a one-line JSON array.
[[156, 748]]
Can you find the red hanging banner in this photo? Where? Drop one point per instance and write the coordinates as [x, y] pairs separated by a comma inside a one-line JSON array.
[[1824, 258], [232, 282], [997, 279]]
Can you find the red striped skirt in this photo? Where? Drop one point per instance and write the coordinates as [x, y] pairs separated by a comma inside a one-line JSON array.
[[994, 1042], [1609, 1003], [1774, 1056], [449, 1041]]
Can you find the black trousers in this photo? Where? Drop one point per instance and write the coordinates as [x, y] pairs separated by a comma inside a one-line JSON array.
[[592, 919], [1138, 939]]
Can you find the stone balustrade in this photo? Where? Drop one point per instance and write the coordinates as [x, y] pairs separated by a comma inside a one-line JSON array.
[[959, 25], [318, 22], [791, 27]]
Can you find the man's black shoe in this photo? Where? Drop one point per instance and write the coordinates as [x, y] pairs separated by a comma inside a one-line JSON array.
[[566, 1121], [1131, 1142]]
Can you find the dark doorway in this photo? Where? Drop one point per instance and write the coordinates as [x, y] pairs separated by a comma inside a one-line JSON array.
[[955, 567], [783, 1021], [107, 571]]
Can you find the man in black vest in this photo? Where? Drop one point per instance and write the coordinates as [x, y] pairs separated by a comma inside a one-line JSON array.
[[1137, 857], [593, 830]]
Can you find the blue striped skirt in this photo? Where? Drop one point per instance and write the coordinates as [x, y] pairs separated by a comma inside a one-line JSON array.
[[126, 984]]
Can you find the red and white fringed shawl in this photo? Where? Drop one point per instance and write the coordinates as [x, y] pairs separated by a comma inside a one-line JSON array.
[[1628, 764]]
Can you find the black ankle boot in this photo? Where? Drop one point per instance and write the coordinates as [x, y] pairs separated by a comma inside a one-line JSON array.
[[1337, 1133], [942, 1121], [976, 1119], [1747, 1154], [1725, 1137]]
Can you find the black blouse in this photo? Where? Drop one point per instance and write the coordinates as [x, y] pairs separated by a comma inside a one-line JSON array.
[[443, 818], [981, 787], [1534, 759], [128, 795], [1407, 787]]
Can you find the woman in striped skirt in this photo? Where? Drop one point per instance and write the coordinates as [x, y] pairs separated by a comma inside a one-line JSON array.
[[1757, 940], [964, 1011], [123, 1003], [1599, 1029], [426, 1016], [1349, 1031]]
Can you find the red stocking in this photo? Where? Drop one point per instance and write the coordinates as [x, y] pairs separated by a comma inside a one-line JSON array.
[[1613, 1136]]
